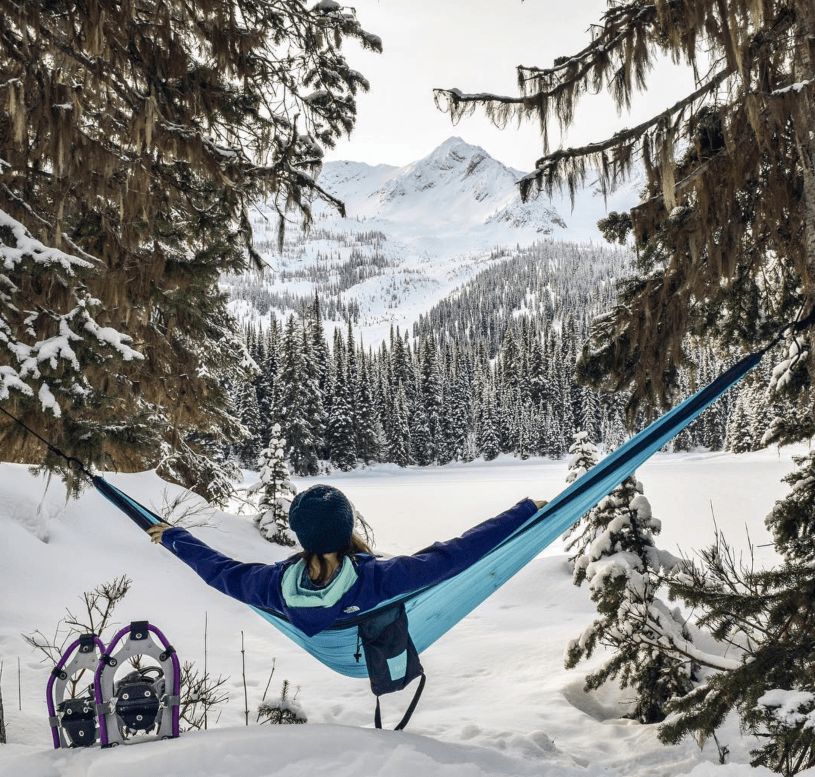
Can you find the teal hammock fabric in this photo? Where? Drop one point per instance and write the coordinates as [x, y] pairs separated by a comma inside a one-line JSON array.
[[434, 610]]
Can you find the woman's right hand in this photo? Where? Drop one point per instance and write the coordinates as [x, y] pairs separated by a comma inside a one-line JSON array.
[[540, 503], [156, 532]]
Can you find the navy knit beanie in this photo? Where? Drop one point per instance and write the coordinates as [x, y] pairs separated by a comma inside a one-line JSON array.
[[322, 518]]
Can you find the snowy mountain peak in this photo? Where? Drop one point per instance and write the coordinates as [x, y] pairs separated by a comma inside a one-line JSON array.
[[460, 171], [456, 155], [456, 186]]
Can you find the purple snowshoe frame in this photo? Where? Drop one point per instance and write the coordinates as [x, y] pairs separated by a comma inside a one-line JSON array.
[[109, 733], [85, 647]]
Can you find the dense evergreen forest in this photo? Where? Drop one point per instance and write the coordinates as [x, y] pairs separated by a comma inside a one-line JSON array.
[[486, 371]]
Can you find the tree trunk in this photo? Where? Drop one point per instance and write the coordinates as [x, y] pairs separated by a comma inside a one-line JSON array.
[[806, 152]]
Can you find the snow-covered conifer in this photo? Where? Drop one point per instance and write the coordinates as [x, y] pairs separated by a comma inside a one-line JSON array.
[[614, 551], [683, 441], [296, 402], [319, 346], [739, 429], [489, 442], [55, 357], [583, 456], [249, 448], [431, 392], [461, 411], [267, 381], [526, 434], [399, 441], [340, 433], [368, 428], [421, 443], [276, 492], [613, 426], [590, 413], [765, 621]]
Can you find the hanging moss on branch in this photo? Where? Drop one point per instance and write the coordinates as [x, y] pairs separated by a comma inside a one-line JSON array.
[[134, 138], [725, 230]]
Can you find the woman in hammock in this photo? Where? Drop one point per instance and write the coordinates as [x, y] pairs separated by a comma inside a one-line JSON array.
[[336, 576]]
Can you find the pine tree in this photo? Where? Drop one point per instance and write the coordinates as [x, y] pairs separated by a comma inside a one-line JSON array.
[[268, 381], [369, 431], [55, 352], [294, 402], [319, 346], [421, 443], [614, 426], [276, 492], [313, 401], [589, 413], [725, 232], [614, 552], [584, 456], [340, 431], [352, 375], [683, 441], [459, 414], [249, 448], [136, 137], [399, 443], [526, 434], [556, 447], [766, 622], [401, 367], [739, 430], [489, 443], [431, 397], [537, 372]]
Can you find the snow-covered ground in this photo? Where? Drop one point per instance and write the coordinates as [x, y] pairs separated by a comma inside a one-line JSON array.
[[498, 700]]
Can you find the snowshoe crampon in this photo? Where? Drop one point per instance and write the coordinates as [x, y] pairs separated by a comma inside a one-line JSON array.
[[145, 700], [73, 718]]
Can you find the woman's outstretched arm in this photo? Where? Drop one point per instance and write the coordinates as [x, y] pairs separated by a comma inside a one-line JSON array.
[[444, 560]]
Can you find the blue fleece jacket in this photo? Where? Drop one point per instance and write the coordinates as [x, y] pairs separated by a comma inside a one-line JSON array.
[[377, 580]]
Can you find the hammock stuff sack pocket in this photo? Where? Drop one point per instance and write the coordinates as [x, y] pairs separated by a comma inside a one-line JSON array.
[[391, 657]]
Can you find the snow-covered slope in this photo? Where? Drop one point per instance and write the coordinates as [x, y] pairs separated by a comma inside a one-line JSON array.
[[456, 187], [498, 700], [459, 187], [411, 235]]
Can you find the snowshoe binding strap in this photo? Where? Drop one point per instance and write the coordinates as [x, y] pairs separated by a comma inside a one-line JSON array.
[[77, 719], [145, 700], [138, 699]]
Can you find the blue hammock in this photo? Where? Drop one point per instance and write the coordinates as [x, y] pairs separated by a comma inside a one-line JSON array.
[[434, 610]]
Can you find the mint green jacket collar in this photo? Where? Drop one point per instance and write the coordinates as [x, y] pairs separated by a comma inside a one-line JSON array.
[[297, 595]]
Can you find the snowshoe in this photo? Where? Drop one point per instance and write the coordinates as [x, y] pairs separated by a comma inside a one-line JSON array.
[[144, 701], [73, 719]]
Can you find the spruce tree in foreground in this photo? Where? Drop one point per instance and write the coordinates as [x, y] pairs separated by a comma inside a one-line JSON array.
[[766, 621], [617, 557]]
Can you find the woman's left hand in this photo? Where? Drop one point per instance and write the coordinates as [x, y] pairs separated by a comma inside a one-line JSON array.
[[156, 532]]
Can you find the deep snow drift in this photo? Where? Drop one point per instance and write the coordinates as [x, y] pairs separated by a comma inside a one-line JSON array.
[[498, 700]]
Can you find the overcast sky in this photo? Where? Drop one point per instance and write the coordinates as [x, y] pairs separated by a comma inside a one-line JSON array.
[[474, 45]]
